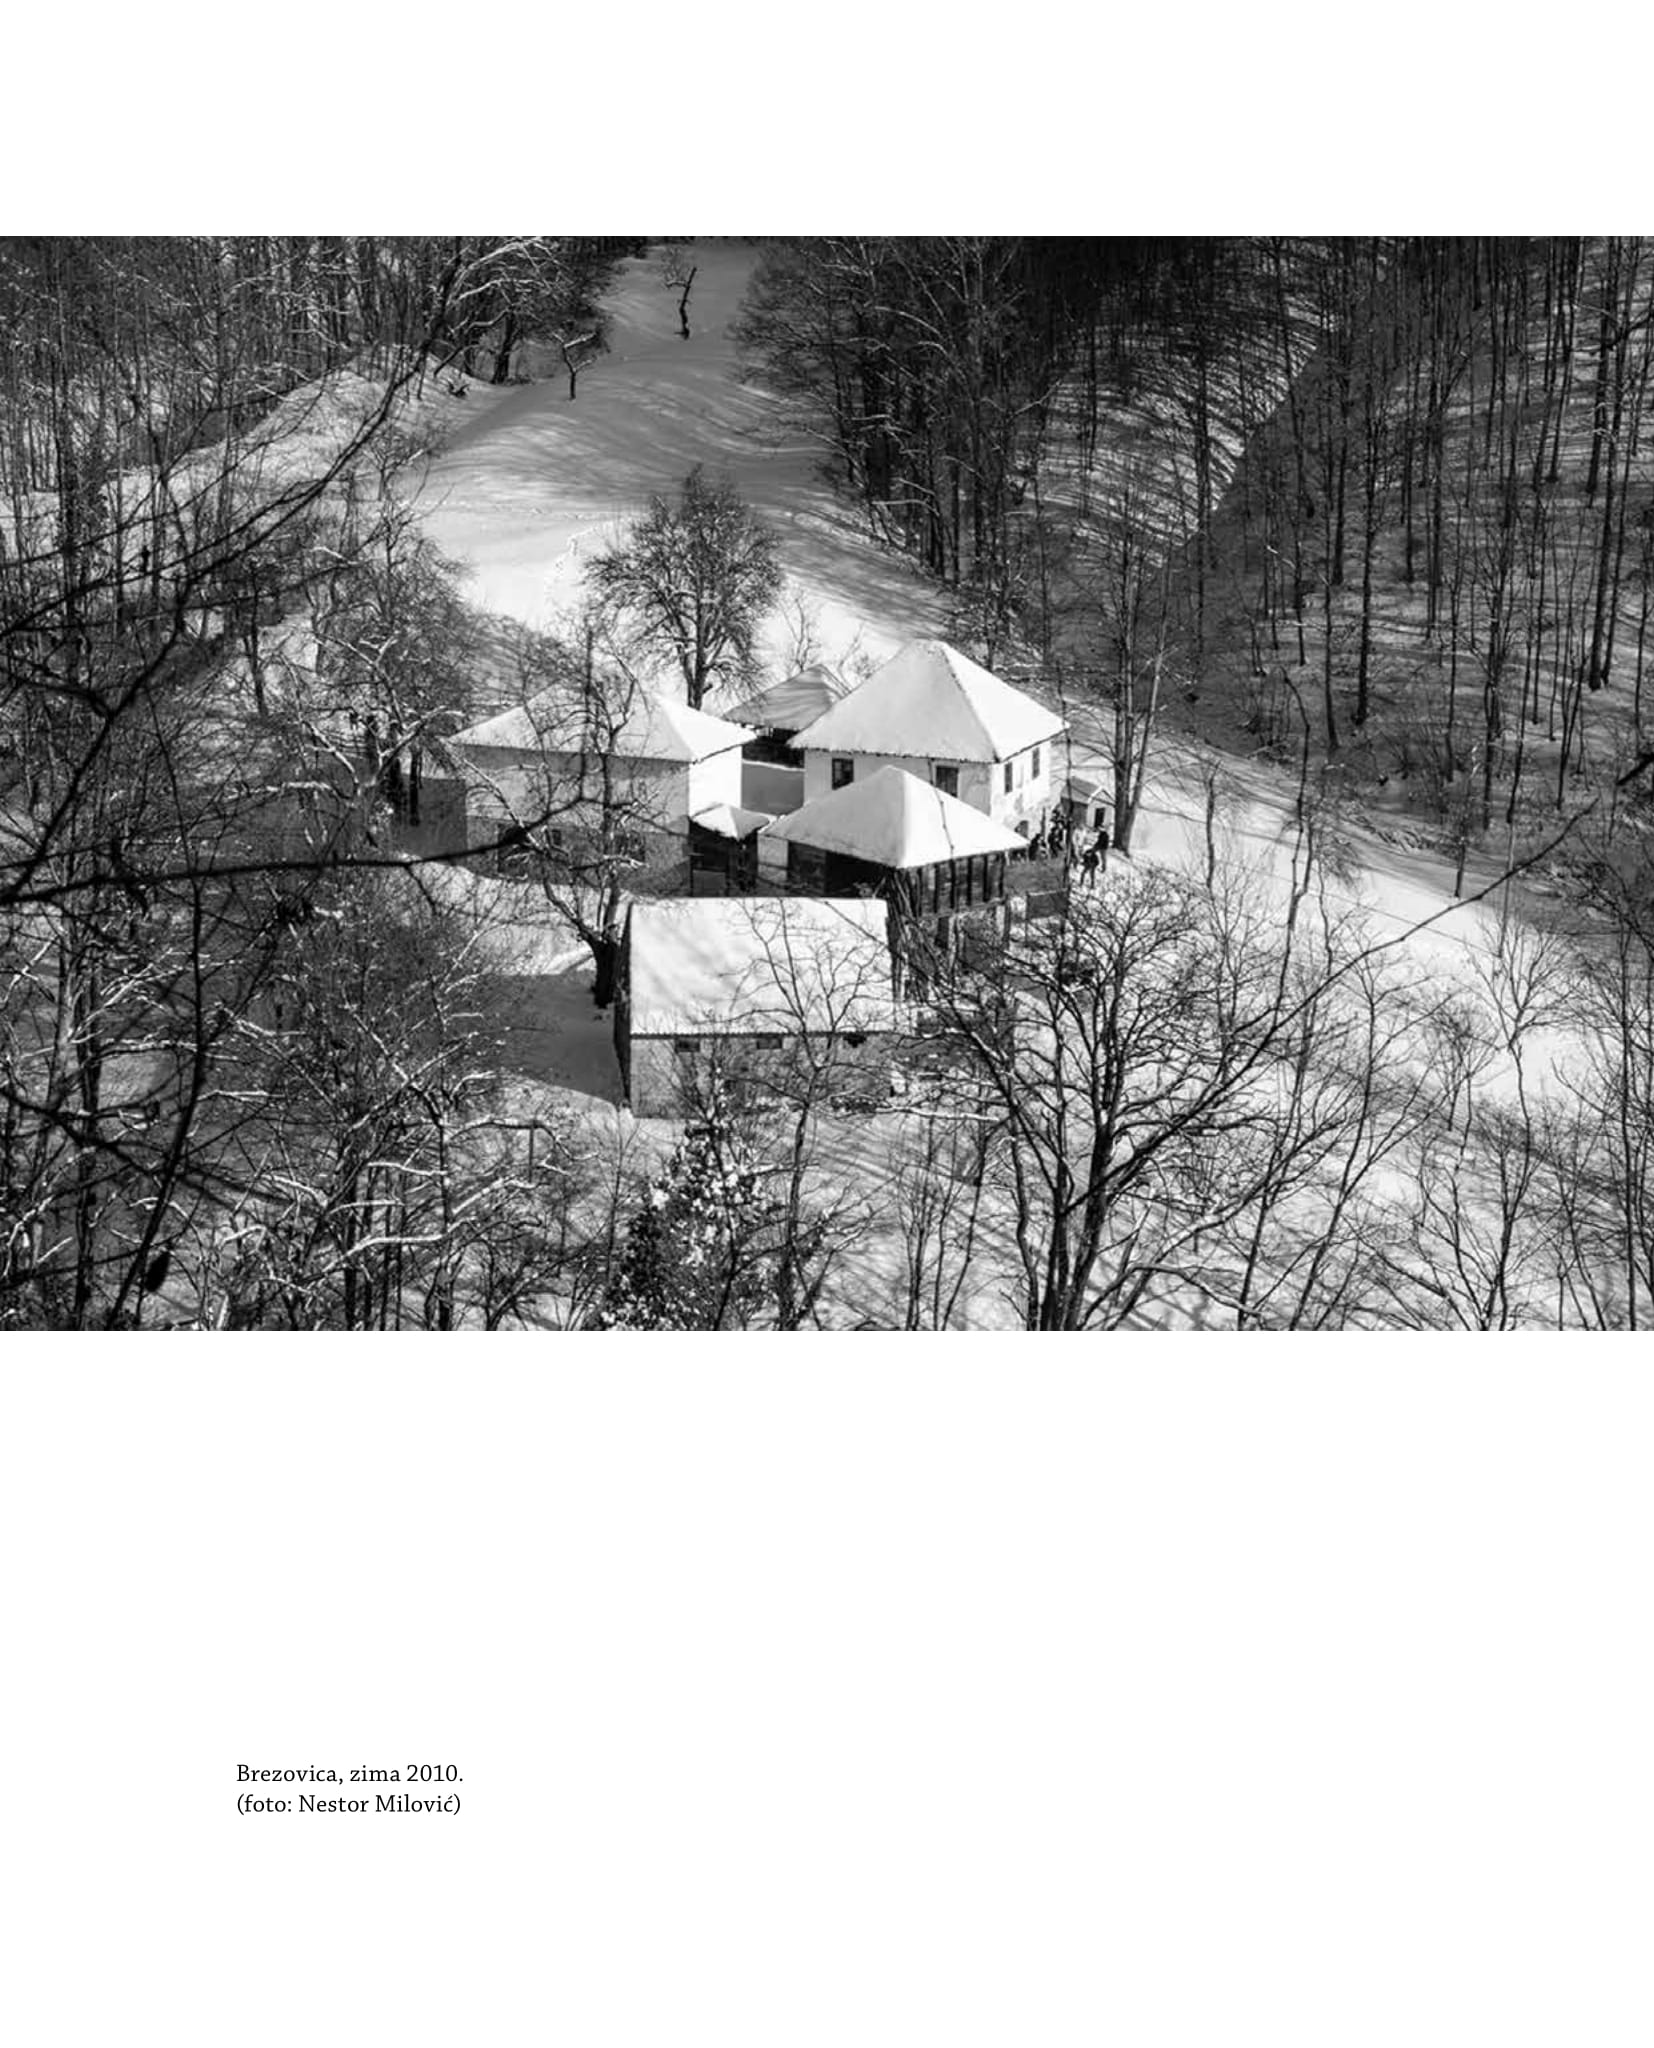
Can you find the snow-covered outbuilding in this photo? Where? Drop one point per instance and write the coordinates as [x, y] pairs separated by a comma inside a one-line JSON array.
[[723, 850], [785, 708], [653, 762], [772, 778], [1086, 802], [755, 984], [895, 836], [942, 717]]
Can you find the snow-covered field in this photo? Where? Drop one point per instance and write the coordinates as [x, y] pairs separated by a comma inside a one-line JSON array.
[[529, 484]]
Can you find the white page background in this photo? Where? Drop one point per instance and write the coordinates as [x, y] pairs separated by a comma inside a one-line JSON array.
[[881, 1694], [857, 1694]]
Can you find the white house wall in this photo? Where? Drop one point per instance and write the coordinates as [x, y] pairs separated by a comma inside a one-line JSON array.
[[982, 786], [716, 780], [517, 783], [1029, 796], [818, 772]]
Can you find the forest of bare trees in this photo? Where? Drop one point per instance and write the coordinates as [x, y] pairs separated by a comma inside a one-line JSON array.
[[244, 1076], [1379, 511], [1408, 479]]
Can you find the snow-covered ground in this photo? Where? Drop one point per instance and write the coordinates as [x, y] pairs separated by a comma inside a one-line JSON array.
[[529, 484]]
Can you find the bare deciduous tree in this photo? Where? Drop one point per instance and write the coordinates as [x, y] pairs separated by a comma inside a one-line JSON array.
[[678, 275], [697, 575]]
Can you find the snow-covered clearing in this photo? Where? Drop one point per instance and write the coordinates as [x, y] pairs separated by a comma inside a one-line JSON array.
[[530, 483]]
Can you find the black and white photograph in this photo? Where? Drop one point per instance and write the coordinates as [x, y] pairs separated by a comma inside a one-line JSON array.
[[841, 782], [826, 1044]]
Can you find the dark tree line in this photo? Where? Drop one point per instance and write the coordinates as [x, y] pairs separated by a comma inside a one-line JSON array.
[[930, 368], [1405, 481], [1462, 485]]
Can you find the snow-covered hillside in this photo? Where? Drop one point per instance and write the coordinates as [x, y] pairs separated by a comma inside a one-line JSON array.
[[529, 484]]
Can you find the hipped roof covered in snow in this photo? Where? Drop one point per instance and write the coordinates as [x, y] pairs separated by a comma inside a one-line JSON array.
[[758, 964], [794, 703], [894, 820], [655, 728], [930, 702], [730, 821]]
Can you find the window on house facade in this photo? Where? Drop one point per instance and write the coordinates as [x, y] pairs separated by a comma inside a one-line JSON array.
[[1010, 776], [768, 1041], [844, 771], [946, 779], [1033, 766]]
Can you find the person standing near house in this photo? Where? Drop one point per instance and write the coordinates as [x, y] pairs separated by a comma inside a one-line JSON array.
[[1095, 859]]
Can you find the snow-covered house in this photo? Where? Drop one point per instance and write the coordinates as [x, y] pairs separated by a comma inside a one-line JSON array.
[[936, 713], [755, 984], [654, 764]]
